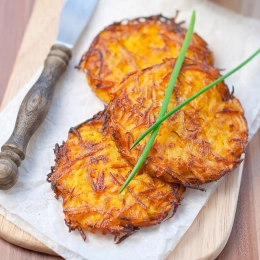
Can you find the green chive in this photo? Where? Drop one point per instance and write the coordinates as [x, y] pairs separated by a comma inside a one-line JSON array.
[[159, 121], [166, 100]]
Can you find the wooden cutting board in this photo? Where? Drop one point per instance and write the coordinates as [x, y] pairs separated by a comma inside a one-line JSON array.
[[209, 232]]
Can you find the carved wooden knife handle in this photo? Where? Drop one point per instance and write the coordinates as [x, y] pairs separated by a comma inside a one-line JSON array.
[[32, 112]]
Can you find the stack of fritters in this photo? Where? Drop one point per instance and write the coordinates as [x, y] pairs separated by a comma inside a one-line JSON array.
[[198, 144]]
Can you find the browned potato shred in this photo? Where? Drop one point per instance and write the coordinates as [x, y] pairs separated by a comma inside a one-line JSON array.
[[198, 144], [88, 174], [122, 48]]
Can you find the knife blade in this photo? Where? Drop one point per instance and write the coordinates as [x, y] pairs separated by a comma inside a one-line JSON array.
[[74, 17]]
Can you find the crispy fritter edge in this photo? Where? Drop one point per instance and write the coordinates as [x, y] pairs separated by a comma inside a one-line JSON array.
[[214, 72], [58, 151], [166, 20]]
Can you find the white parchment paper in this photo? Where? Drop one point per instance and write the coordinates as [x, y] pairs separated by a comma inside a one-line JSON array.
[[31, 204]]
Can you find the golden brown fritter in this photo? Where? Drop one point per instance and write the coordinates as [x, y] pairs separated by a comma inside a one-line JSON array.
[[88, 174], [128, 46], [198, 144]]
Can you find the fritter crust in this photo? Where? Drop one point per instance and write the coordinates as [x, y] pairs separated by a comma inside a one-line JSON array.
[[88, 174], [200, 143], [132, 45]]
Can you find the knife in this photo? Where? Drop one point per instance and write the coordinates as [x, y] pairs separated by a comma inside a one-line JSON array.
[[74, 16]]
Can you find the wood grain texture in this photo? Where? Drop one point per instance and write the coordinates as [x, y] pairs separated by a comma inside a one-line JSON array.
[[13, 22], [39, 36], [14, 16], [243, 243], [21, 238], [244, 240], [12, 252], [32, 112], [209, 232], [250, 8]]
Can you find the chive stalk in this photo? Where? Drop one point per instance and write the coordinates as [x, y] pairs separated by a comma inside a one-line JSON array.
[[166, 100], [188, 100]]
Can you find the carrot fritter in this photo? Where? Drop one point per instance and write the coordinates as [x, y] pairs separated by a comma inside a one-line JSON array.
[[88, 174], [198, 144], [132, 45]]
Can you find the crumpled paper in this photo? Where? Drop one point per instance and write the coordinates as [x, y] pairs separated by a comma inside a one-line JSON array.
[[31, 204]]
